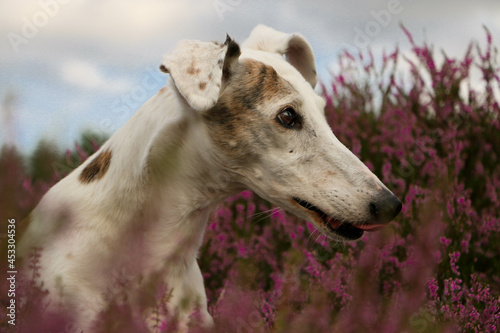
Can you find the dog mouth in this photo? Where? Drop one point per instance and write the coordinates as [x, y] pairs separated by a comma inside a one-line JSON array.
[[342, 228]]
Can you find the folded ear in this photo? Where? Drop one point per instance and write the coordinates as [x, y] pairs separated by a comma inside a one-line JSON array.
[[296, 49], [200, 70]]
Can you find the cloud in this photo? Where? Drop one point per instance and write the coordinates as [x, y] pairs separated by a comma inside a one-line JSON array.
[[85, 75], [99, 48], [112, 22]]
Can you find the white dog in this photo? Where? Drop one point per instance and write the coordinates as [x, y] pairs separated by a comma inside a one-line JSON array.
[[228, 120]]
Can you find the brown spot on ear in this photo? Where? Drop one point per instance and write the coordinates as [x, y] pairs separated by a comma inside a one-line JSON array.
[[97, 168], [164, 69], [192, 70], [202, 85], [330, 174]]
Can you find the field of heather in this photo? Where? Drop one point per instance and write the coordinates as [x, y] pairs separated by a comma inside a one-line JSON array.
[[428, 128]]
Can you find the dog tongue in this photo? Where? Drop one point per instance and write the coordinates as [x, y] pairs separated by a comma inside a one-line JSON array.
[[370, 227], [365, 227]]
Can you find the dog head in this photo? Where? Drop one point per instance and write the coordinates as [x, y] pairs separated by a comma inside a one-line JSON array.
[[269, 130]]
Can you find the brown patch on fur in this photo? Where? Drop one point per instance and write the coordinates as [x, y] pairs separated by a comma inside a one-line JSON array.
[[97, 168], [164, 69], [192, 70], [163, 90], [262, 82], [236, 124], [202, 85]]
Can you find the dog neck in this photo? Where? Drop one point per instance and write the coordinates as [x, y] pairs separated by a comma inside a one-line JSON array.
[[172, 203]]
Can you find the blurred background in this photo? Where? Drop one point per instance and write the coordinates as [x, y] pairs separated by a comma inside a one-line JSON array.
[[67, 66], [412, 88]]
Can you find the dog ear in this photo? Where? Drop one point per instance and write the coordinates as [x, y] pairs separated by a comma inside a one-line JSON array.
[[296, 49], [200, 70]]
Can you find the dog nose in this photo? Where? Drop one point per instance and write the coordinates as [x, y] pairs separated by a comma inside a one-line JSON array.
[[385, 208]]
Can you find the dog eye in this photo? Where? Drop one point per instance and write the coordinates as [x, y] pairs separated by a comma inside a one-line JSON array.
[[288, 118]]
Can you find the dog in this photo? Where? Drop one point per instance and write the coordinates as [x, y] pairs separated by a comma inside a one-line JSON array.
[[230, 118]]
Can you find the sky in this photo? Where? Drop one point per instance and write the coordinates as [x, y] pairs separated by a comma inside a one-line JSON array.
[[73, 65]]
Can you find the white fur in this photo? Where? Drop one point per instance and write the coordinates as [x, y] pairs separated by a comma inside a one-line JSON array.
[[296, 49], [149, 211], [201, 63]]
